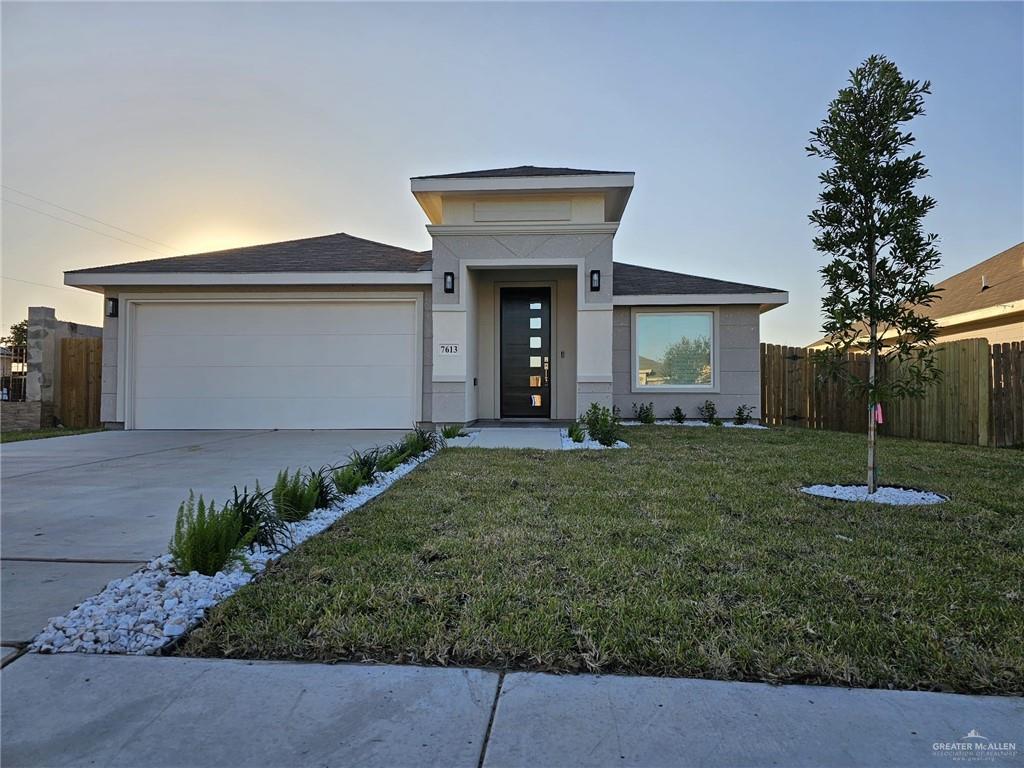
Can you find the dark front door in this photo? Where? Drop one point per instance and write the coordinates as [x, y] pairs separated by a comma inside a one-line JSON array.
[[526, 353]]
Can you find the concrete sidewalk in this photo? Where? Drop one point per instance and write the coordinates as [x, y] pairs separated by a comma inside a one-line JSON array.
[[120, 710]]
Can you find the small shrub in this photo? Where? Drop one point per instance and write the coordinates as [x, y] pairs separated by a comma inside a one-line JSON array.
[[450, 431], [206, 539], [644, 412], [743, 413], [257, 514], [392, 457], [602, 424], [576, 432], [678, 415], [708, 412], [365, 465], [327, 494], [296, 496], [347, 480], [422, 440]]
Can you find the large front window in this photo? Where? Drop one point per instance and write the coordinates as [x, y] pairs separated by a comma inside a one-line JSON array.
[[673, 350]]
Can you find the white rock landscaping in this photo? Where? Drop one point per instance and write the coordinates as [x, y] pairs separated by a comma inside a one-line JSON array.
[[884, 494], [149, 608]]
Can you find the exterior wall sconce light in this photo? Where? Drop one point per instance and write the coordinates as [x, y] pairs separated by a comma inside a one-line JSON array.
[[110, 307], [595, 280], [449, 282]]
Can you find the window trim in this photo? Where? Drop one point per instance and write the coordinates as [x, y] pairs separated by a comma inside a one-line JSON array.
[[634, 351]]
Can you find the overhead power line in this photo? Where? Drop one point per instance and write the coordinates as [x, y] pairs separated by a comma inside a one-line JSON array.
[[90, 218], [41, 285], [87, 229]]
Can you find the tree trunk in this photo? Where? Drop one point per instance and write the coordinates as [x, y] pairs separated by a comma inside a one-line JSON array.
[[872, 423], [872, 372]]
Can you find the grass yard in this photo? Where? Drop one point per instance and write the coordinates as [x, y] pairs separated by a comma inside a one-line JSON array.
[[691, 554], [38, 434]]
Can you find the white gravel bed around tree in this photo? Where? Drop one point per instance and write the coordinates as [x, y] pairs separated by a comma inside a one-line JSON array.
[[692, 423], [149, 608], [884, 494], [587, 444]]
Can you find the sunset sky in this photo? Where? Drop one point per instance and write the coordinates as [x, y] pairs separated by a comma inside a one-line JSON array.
[[197, 126]]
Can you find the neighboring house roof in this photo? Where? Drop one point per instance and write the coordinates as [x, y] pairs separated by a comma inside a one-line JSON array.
[[328, 253], [633, 280], [518, 172], [1003, 274]]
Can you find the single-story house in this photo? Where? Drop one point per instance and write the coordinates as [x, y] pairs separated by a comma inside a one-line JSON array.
[[985, 301], [518, 311]]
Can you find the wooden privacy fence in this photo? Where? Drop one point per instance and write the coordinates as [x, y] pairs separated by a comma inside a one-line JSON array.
[[1008, 394], [80, 371], [979, 401]]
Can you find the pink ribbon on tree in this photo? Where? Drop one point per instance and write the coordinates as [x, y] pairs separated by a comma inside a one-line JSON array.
[[878, 414]]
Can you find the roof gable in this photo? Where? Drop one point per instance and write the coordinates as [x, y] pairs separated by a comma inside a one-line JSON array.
[[520, 171]]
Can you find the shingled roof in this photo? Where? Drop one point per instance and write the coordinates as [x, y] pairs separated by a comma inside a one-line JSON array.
[[328, 253], [633, 280], [1003, 276], [519, 171], [345, 253]]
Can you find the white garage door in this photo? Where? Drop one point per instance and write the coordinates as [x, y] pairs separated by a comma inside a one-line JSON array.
[[264, 365]]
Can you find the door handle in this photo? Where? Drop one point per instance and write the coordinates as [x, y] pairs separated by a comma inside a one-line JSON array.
[[547, 371]]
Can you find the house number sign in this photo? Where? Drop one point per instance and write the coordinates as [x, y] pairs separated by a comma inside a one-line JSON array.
[[448, 350]]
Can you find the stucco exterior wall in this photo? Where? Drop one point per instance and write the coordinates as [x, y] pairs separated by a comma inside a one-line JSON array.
[[462, 210], [108, 374], [739, 373], [580, 248], [593, 250], [112, 330]]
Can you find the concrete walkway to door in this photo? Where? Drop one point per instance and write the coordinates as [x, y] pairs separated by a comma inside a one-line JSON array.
[[81, 510], [545, 438]]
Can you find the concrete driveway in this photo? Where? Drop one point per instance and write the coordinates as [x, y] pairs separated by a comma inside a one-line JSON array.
[[81, 510]]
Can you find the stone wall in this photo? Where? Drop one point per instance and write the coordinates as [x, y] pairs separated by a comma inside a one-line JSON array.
[[28, 415]]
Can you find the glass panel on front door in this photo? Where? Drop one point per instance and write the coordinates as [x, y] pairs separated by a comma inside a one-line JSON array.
[[525, 353]]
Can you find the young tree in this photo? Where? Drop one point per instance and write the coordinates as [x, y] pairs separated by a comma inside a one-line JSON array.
[[18, 335], [869, 223]]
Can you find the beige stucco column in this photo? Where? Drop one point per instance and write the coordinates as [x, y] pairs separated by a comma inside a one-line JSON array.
[[593, 357], [453, 398]]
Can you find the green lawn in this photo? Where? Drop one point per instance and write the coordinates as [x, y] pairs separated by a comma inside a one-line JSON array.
[[690, 554], [39, 434]]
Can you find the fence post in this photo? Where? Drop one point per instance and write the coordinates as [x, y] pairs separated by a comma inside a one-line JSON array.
[[984, 374]]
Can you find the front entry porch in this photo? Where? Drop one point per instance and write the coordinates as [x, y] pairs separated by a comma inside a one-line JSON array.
[[512, 348]]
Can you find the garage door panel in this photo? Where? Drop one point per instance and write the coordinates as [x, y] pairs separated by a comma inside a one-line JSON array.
[[204, 382], [297, 350], [273, 413], [265, 365], [277, 318]]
